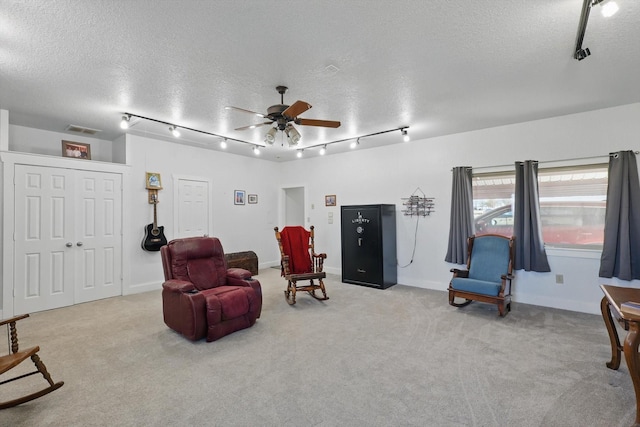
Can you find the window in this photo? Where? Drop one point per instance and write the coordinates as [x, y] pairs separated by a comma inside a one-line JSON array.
[[572, 204]]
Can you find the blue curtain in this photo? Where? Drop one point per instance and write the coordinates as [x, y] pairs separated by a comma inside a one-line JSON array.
[[461, 220], [527, 227], [621, 246]]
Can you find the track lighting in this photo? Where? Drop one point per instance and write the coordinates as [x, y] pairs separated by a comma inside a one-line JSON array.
[[174, 131], [223, 144], [270, 137], [405, 135], [299, 153], [354, 144], [256, 150], [124, 124], [608, 8], [323, 150]]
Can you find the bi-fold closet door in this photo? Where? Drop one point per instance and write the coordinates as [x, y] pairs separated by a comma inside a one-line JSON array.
[[68, 237]]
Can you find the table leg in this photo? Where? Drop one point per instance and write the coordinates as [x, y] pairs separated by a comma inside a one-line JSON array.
[[613, 334], [633, 362]]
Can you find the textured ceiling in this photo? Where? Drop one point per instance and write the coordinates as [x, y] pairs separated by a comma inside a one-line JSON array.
[[438, 66]]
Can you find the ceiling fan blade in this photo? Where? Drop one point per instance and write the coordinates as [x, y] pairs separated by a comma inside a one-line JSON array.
[[244, 111], [295, 109], [253, 126], [323, 123]]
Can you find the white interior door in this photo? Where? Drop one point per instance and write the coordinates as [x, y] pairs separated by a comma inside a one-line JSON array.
[[294, 206], [44, 259], [68, 237], [192, 216], [98, 235]]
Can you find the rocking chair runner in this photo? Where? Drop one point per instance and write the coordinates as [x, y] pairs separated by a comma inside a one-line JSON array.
[[15, 357], [299, 261]]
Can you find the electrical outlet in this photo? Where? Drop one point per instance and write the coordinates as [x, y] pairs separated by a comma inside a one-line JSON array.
[[559, 279]]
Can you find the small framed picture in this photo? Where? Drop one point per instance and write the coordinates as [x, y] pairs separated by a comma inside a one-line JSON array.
[[77, 150], [252, 199], [330, 200], [153, 181], [238, 197]]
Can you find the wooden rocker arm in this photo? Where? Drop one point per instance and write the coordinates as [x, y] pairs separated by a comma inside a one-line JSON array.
[[13, 331], [460, 273], [284, 262], [318, 261]]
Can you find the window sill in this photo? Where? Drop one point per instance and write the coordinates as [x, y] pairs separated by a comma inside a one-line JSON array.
[[573, 252]]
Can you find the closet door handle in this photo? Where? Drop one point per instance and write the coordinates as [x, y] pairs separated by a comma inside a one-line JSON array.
[[79, 244]]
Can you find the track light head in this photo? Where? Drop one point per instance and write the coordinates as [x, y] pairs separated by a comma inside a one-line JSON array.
[[256, 150], [405, 135], [299, 153], [124, 123], [223, 144], [323, 150], [174, 131], [608, 8]]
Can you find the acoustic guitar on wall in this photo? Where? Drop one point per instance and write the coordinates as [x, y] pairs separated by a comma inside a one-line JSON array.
[[154, 237]]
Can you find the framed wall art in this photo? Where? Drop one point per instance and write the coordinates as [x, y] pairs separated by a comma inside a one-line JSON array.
[[252, 199], [153, 181], [76, 150], [238, 197], [330, 200]]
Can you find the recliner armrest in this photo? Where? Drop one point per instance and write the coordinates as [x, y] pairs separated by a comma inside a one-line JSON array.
[[460, 273], [238, 273], [178, 286]]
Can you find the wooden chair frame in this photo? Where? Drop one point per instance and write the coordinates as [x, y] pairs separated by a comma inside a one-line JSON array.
[[317, 262], [503, 299], [15, 357]]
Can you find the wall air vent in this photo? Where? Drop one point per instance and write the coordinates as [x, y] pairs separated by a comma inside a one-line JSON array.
[[81, 129]]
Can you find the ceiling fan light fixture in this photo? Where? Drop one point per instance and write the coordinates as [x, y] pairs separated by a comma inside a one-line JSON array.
[[270, 136], [174, 131], [293, 136], [124, 123]]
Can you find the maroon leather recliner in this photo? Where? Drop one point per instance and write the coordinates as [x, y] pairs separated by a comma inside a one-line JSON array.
[[201, 296]]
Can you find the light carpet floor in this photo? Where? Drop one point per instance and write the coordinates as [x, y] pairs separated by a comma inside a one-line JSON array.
[[366, 357]]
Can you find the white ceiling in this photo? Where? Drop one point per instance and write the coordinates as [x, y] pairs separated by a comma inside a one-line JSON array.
[[437, 66]]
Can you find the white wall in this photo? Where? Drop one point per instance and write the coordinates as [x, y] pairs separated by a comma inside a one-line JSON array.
[[387, 174], [38, 141], [380, 175], [239, 227]]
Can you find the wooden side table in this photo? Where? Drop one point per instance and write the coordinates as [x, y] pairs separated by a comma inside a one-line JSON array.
[[610, 306]]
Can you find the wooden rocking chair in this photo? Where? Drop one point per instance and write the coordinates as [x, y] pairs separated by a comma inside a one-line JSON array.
[[299, 261], [15, 357]]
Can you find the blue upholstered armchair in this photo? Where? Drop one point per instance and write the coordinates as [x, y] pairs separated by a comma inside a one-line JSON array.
[[488, 275]]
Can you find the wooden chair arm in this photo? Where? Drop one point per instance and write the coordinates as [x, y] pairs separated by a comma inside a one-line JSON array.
[[13, 319], [284, 263], [460, 273], [323, 255]]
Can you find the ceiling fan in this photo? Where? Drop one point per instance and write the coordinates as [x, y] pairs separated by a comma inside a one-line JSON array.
[[282, 115]]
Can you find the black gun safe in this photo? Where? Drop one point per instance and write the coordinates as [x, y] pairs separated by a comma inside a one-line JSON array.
[[369, 245]]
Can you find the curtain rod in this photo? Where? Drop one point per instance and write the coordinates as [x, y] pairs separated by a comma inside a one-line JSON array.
[[550, 161]]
